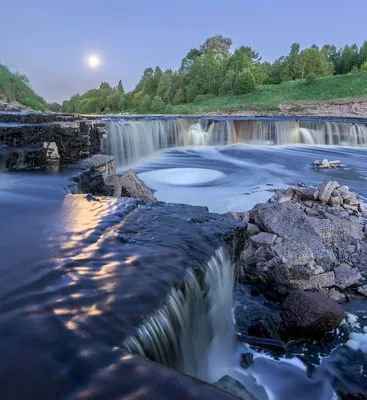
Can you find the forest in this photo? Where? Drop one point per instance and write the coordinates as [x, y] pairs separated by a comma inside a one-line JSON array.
[[212, 70]]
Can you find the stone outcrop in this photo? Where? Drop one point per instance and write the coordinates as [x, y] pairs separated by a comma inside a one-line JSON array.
[[300, 241], [130, 185], [65, 138], [310, 314]]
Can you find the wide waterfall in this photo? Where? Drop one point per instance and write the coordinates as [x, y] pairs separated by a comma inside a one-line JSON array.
[[194, 331], [131, 140]]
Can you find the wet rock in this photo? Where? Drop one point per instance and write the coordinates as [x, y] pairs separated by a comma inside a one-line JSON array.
[[132, 186], [231, 385], [346, 276], [266, 327], [351, 395], [264, 238], [335, 201], [294, 253], [247, 359], [310, 314]]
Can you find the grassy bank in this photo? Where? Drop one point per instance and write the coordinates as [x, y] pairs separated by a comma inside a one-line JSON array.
[[268, 97], [15, 87]]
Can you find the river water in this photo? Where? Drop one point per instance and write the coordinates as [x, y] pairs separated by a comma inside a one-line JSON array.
[[42, 226]]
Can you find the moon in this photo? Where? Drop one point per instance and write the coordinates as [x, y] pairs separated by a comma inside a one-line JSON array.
[[94, 61]]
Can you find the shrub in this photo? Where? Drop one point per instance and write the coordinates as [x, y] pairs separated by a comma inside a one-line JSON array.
[[311, 78], [169, 109], [245, 82], [145, 104], [364, 67], [158, 104]]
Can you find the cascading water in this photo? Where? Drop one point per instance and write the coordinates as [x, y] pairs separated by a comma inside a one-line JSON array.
[[131, 140], [194, 331]]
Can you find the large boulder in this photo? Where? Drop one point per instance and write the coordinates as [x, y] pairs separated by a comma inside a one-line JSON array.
[[310, 314], [130, 185], [290, 222]]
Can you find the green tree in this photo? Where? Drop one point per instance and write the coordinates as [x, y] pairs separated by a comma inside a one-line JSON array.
[[158, 105], [218, 45], [179, 97], [311, 61], [187, 61], [54, 107], [364, 66], [138, 97], [113, 101], [245, 82], [363, 54], [145, 104], [120, 88]]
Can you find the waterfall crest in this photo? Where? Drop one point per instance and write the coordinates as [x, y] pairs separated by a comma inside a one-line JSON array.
[[193, 332], [131, 140]]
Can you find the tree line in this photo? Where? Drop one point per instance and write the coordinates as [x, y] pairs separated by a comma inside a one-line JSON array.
[[213, 70]]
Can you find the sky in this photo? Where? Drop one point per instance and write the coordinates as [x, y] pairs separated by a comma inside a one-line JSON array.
[[49, 40]]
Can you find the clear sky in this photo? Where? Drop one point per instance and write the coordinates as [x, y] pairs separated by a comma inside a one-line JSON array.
[[48, 40]]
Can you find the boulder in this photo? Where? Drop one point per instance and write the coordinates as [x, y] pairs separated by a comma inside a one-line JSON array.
[[310, 314], [130, 185], [362, 290], [264, 238], [346, 276], [290, 222], [247, 359], [294, 253]]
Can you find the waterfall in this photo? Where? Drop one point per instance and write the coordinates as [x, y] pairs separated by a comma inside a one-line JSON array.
[[193, 332], [131, 140]]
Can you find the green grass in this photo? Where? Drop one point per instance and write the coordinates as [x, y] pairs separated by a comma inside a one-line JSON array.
[[268, 97], [13, 87]]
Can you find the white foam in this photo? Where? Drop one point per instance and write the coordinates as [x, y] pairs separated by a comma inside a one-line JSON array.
[[182, 176]]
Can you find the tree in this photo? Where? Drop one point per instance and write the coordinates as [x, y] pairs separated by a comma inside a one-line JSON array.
[[158, 105], [245, 82], [179, 97], [213, 73], [187, 62], [311, 61], [218, 45], [364, 66], [113, 101], [138, 97], [55, 107], [120, 88], [145, 104]]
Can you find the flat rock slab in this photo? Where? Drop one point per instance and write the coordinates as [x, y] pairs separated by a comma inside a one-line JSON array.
[[346, 276], [294, 253], [264, 238], [130, 185], [118, 262]]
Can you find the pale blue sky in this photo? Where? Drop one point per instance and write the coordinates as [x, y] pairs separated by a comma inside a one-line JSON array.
[[49, 39]]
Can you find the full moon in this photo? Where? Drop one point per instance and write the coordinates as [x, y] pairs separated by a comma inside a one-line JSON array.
[[93, 61]]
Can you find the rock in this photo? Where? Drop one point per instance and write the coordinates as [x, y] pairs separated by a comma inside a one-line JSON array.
[[362, 290], [324, 191], [240, 216], [287, 196], [266, 327], [247, 359], [346, 276], [322, 280], [247, 252], [290, 222], [337, 296], [294, 253], [351, 395], [264, 238], [270, 344], [132, 186], [335, 201], [231, 385], [310, 314], [252, 229]]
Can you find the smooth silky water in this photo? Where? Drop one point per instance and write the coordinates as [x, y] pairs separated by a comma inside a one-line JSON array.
[[51, 298]]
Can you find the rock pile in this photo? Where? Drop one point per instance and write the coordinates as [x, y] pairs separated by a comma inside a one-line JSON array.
[[330, 193], [303, 240]]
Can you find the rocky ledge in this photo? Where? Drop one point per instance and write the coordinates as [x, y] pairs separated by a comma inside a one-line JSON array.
[[307, 239]]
